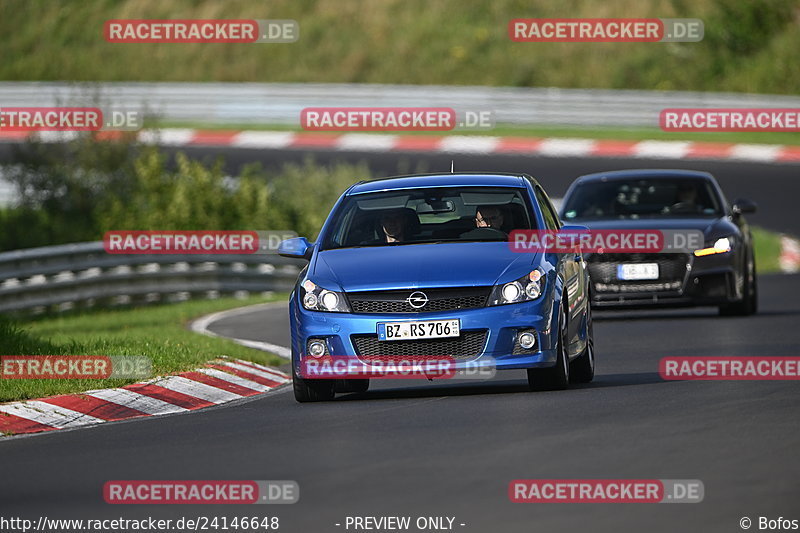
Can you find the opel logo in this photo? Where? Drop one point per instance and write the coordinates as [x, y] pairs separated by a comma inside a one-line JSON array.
[[417, 299]]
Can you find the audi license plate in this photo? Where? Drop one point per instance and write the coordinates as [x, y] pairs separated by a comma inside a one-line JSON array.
[[427, 329], [636, 271]]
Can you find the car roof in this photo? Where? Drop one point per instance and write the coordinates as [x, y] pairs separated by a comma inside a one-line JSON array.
[[650, 173], [462, 179]]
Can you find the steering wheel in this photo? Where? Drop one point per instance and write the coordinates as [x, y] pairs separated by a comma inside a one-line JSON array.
[[492, 234], [683, 207]]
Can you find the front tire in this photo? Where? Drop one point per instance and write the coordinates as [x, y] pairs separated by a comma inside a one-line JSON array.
[[556, 377], [311, 390], [582, 368], [749, 302]]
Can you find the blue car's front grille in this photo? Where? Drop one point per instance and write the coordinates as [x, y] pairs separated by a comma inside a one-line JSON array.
[[399, 301], [469, 344]]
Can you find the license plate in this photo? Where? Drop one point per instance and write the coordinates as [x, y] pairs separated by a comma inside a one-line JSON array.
[[637, 271], [427, 329]]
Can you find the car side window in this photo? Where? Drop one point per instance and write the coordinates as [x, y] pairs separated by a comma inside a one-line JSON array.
[[550, 218]]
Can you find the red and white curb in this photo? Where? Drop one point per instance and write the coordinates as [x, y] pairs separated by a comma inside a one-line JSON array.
[[464, 144], [220, 381], [790, 255]]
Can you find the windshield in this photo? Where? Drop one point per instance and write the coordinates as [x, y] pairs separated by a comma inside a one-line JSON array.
[[417, 216], [642, 198]]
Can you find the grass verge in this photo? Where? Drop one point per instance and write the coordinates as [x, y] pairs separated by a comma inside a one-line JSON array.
[[158, 332], [767, 250]]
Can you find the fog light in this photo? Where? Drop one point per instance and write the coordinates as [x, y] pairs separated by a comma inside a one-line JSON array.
[[316, 348], [527, 340]]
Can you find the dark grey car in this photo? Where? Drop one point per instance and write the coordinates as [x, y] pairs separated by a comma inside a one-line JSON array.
[[722, 273]]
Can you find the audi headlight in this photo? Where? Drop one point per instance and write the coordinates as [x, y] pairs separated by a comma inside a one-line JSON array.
[[528, 287], [720, 247], [315, 298]]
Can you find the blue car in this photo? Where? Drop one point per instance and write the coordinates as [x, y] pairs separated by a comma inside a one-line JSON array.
[[420, 266]]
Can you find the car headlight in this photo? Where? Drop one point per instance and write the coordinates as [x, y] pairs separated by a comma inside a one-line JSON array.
[[527, 288], [720, 247], [315, 298]]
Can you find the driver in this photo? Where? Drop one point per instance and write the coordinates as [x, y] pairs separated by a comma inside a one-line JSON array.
[[685, 198], [393, 226], [489, 216], [488, 224], [687, 195]]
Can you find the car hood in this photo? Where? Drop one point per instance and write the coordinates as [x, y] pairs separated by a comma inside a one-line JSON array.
[[711, 227], [420, 265]]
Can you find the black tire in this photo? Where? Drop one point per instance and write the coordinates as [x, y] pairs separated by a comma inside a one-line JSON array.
[[581, 369], [749, 302], [351, 385], [311, 390], [556, 377]]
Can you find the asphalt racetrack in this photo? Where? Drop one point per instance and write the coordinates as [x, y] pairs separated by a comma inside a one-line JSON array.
[[451, 449], [412, 448]]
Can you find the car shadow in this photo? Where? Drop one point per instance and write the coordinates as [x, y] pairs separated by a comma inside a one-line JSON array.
[[506, 386]]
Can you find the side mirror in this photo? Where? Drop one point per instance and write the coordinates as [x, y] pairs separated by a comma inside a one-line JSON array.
[[575, 227], [743, 206], [296, 248]]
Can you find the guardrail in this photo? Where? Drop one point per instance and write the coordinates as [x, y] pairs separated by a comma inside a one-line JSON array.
[[58, 278], [281, 103]]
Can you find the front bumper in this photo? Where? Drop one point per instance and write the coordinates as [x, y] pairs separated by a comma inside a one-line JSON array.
[[702, 281], [501, 325]]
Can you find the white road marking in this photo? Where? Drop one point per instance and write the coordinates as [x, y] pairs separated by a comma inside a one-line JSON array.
[[263, 139], [201, 326], [469, 144], [366, 142], [661, 149], [565, 147]]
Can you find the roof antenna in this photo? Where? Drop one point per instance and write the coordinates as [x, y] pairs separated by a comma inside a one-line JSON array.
[[452, 163]]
